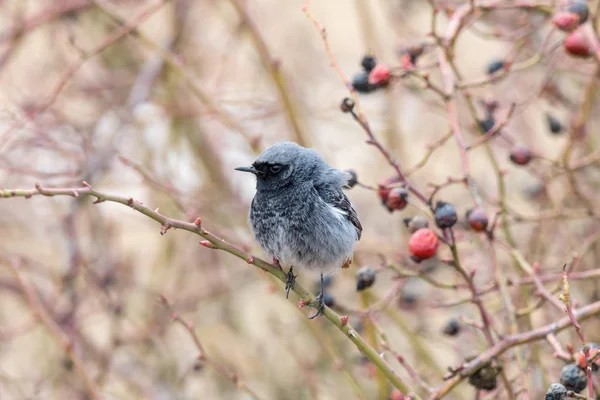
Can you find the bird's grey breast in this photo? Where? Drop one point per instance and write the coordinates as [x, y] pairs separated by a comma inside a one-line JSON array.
[[299, 228], [273, 216]]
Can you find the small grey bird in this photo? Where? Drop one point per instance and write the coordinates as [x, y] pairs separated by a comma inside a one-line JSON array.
[[300, 215]]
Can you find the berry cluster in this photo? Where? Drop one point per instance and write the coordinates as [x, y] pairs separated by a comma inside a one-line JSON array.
[[575, 44], [573, 377], [374, 76]]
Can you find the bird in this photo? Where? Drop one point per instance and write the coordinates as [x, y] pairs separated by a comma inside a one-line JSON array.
[[300, 215]]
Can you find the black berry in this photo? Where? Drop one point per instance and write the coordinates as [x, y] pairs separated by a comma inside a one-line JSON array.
[[328, 299], [486, 124], [554, 124], [327, 282], [361, 84], [365, 277], [581, 9], [556, 391], [495, 66], [368, 63], [452, 327], [445, 215], [573, 378]]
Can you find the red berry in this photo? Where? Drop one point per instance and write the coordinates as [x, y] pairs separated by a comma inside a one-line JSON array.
[[397, 199], [577, 45], [477, 219], [520, 154], [582, 360], [423, 244], [566, 21], [380, 75], [383, 193]]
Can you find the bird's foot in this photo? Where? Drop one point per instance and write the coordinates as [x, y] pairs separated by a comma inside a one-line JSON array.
[[276, 263], [319, 304], [290, 282]]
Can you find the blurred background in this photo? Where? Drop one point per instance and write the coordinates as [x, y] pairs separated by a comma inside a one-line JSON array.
[[160, 101]]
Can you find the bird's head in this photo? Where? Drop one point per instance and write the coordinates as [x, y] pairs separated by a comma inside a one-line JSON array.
[[283, 164]]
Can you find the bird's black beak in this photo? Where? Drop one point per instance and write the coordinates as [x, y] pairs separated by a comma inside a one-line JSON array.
[[252, 170]]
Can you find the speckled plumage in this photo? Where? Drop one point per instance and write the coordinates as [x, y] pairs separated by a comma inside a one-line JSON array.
[[300, 215]]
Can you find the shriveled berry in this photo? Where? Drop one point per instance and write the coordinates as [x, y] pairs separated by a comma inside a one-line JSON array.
[[328, 299], [486, 124], [347, 105], [423, 244], [353, 179], [576, 44], [477, 219], [495, 66], [580, 9], [380, 75], [554, 124], [566, 21], [520, 154], [556, 391], [361, 84], [452, 327], [445, 215], [573, 378], [365, 278], [368, 63], [415, 223], [397, 199], [485, 378]]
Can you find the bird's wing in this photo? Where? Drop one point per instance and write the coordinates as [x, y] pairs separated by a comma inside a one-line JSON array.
[[337, 198]]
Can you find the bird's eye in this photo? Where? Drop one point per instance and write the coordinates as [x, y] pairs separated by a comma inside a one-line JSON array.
[[275, 168]]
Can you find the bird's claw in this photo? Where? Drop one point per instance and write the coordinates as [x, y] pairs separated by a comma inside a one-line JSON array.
[[319, 304], [290, 282]]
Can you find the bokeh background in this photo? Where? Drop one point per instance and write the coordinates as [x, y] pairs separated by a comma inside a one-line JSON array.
[[165, 113]]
